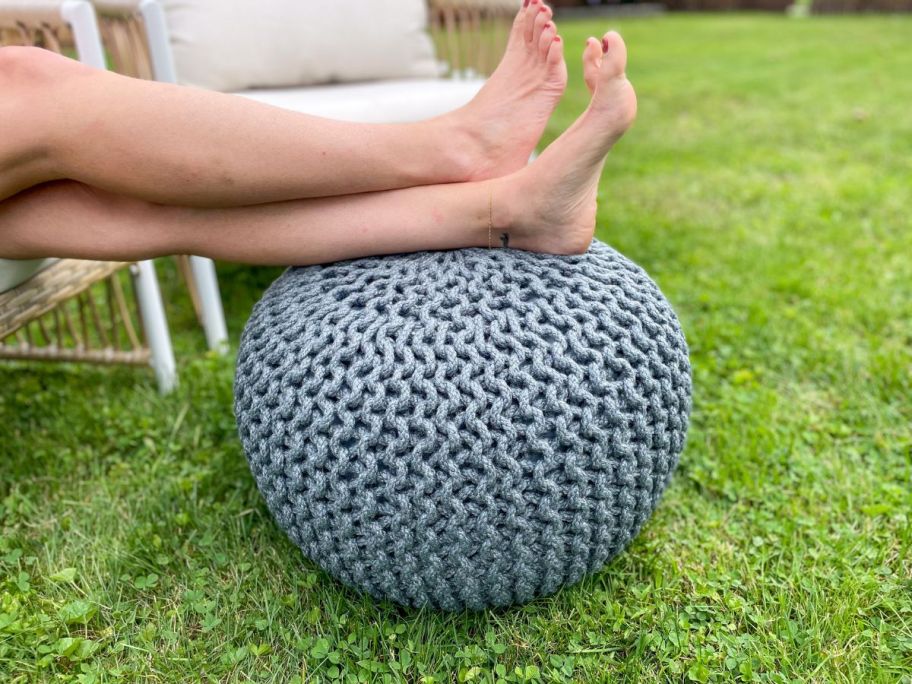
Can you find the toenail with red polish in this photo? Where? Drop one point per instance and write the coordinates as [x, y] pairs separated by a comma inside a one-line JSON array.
[[525, 3], [605, 45]]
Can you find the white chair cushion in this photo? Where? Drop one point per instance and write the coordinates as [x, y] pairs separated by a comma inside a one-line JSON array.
[[14, 272], [233, 45], [399, 101]]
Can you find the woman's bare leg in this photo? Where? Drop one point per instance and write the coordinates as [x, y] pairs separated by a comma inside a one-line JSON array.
[[116, 227], [548, 206], [174, 145]]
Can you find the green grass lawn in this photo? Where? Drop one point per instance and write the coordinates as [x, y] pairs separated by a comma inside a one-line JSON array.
[[767, 188]]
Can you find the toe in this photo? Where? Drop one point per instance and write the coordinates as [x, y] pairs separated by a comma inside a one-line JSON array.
[[531, 14], [614, 59], [592, 62], [519, 22], [556, 51], [541, 21], [548, 34]]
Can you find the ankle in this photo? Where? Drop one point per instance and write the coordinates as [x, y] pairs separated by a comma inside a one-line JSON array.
[[459, 151], [455, 152], [507, 211], [506, 214]]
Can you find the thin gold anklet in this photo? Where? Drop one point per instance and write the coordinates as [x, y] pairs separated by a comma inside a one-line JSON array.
[[491, 220]]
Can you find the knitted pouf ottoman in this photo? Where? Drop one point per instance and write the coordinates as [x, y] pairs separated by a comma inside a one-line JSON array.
[[463, 429]]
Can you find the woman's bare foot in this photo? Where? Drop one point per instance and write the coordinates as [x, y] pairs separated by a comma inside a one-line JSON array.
[[550, 206], [505, 121]]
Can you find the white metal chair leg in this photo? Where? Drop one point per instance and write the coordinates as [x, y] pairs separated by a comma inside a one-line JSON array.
[[152, 311], [210, 303]]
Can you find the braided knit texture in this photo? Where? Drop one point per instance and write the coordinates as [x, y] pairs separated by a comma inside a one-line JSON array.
[[463, 429]]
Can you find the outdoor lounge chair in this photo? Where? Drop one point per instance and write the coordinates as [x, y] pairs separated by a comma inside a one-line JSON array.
[[75, 310]]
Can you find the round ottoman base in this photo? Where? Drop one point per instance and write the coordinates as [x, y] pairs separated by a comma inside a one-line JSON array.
[[463, 429]]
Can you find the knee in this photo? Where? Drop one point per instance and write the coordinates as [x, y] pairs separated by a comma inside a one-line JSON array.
[[29, 80], [26, 69]]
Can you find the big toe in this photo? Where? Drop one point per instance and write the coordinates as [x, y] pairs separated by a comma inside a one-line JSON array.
[[519, 22], [531, 13], [614, 57]]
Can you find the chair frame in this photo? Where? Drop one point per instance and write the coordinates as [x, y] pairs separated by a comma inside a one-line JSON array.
[[60, 314], [469, 36], [59, 26]]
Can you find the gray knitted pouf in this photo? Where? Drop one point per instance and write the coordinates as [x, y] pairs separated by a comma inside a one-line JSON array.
[[463, 429]]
